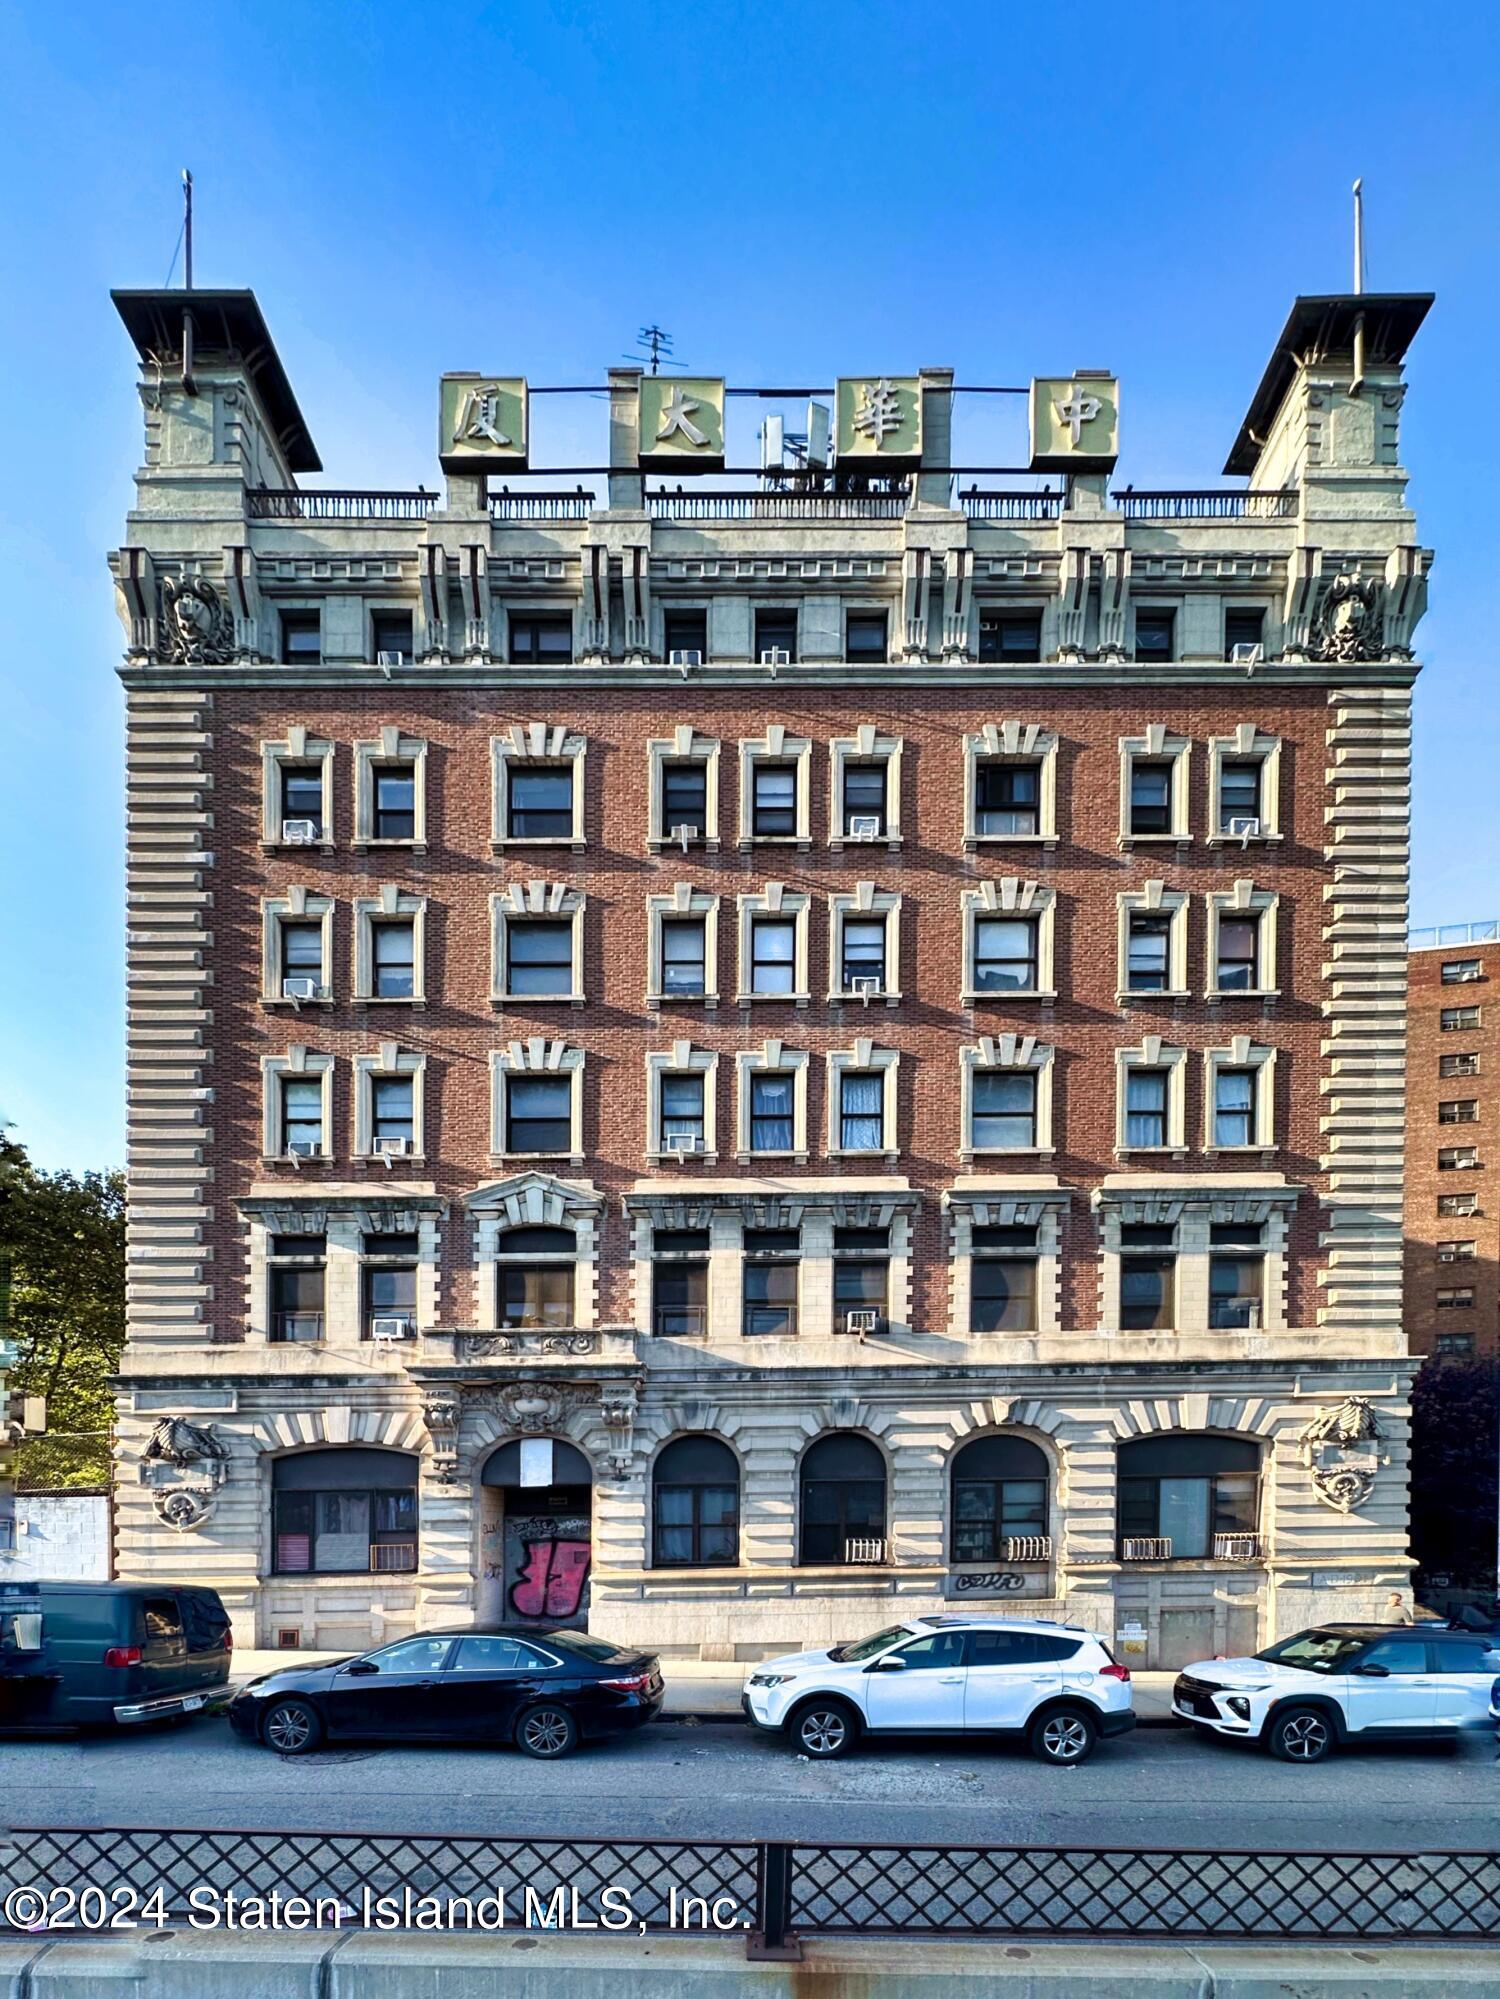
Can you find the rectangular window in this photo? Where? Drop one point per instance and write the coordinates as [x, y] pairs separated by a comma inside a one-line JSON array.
[[540, 802], [1465, 1250], [1007, 799], [1234, 1106], [1154, 634], [771, 1113], [301, 953], [1005, 954], [393, 958], [1457, 1158], [302, 1114], [1461, 971], [863, 953], [1004, 1110], [1458, 1204], [390, 1284], [684, 798], [773, 955], [684, 957], [390, 635], [537, 640], [770, 1280], [1239, 794], [1236, 1275], [1454, 1019], [1458, 1065], [1454, 1343], [685, 631], [861, 1274], [298, 1272], [1146, 1107], [1238, 966], [1458, 1298], [1148, 1278], [539, 1114], [776, 631], [861, 1112], [534, 1294], [682, 1115], [1010, 635], [1459, 1110], [864, 636], [1002, 1281], [391, 1108], [1150, 795], [538, 958], [302, 798], [773, 812], [864, 799], [1148, 952], [679, 1291], [395, 803], [344, 1533], [301, 638], [1243, 628], [1188, 1512]]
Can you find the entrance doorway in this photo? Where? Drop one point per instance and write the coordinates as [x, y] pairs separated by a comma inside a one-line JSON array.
[[536, 1534]]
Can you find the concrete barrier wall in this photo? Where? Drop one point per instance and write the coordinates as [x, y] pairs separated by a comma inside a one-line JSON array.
[[63, 1536]]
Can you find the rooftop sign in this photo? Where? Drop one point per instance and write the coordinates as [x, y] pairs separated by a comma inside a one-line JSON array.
[[1075, 422], [483, 421]]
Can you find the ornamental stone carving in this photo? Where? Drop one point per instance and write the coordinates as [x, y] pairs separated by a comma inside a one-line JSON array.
[[534, 1407], [1341, 1449], [1347, 623], [197, 629], [617, 1403], [183, 1465], [492, 1346], [440, 1412]]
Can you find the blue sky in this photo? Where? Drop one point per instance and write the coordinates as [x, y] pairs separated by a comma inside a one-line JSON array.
[[793, 190]]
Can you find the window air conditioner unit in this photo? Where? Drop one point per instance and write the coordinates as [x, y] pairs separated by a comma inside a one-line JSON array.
[[1244, 830], [1247, 655], [864, 1322], [682, 1144], [864, 990], [686, 656], [389, 659], [298, 832], [397, 1147], [392, 1326], [864, 826], [775, 656], [304, 1148], [684, 836], [300, 987]]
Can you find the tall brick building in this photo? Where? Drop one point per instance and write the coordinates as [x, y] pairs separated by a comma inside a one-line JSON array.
[[736, 1060], [1452, 1123]]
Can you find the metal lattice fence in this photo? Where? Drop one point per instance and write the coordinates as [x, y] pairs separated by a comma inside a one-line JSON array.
[[64, 1461], [780, 1890]]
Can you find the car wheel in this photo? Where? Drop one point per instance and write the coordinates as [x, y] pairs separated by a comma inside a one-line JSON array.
[[1066, 1735], [547, 1731], [824, 1729], [1301, 1735], [291, 1728]]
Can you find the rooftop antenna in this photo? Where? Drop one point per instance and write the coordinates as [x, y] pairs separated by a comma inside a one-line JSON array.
[[187, 228], [659, 344], [1359, 285]]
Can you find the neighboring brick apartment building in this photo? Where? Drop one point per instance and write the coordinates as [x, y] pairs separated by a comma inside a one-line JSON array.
[[1452, 1130], [743, 1060]]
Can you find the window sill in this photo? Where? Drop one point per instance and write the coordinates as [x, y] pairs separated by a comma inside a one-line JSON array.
[[1151, 1152], [888, 1156], [1128, 840], [655, 1000], [1239, 840], [396, 1159], [969, 1153], [418, 1000], [297, 1158], [366, 842], [524, 1159], [1131, 996], [800, 842], [297, 846], [683, 1159], [772, 999], [892, 841], [759, 1158], [277, 1001], [973, 840], [1263, 1151], [570, 840], [340, 1578], [858, 999], [502, 1000], [1243, 993], [659, 843], [1047, 994]]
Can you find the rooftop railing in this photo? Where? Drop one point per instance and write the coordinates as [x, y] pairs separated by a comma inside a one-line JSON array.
[[575, 506], [1274, 504], [995, 506], [1453, 933], [776, 504], [291, 503]]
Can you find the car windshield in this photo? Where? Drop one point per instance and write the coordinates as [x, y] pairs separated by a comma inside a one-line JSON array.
[[866, 1648], [1315, 1651]]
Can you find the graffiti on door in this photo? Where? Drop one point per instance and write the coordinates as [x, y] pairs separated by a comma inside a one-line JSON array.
[[547, 1566]]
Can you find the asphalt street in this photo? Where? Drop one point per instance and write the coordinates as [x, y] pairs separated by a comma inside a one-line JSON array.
[[710, 1780]]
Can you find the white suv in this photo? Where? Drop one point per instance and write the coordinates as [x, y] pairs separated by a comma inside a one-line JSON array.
[[1055, 1684], [1340, 1682]]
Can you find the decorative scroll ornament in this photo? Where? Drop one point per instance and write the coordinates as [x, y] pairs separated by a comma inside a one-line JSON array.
[[183, 1464], [197, 629], [492, 1346], [1347, 624], [1341, 1449], [535, 1407], [440, 1412], [618, 1401]]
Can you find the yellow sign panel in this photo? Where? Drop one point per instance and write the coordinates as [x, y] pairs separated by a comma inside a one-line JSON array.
[[483, 420], [682, 419], [879, 417], [1075, 423]]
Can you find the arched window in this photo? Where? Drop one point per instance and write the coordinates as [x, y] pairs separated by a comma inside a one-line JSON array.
[[999, 1496], [1182, 1492], [534, 1277], [843, 1501], [347, 1511], [695, 1504]]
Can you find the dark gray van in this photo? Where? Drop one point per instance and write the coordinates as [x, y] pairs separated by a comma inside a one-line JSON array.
[[78, 1655]]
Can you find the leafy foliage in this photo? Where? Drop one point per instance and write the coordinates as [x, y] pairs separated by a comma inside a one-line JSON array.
[[1454, 1469], [62, 1247]]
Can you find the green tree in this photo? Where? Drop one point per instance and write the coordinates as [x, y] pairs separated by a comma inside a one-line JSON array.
[[1455, 1406], [62, 1261]]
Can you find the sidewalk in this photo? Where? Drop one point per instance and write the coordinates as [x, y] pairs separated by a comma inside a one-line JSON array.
[[710, 1691]]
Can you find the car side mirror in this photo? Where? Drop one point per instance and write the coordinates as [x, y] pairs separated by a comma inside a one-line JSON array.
[[891, 1663], [1374, 1672], [362, 1666]]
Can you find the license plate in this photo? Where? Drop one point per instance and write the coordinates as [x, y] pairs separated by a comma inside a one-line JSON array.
[[193, 1702]]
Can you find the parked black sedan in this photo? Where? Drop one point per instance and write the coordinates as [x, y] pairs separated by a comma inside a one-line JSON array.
[[541, 1690]]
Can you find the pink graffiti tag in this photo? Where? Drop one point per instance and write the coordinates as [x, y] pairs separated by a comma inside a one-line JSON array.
[[551, 1580]]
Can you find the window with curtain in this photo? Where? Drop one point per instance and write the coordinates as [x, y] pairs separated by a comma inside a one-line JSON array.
[[862, 1112], [695, 1505], [1185, 1488], [1145, 1107], [771, 1114], [999, 1494], [346, 1511]]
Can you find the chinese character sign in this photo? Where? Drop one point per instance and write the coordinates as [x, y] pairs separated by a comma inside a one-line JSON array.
[[879, 417], [482, 421], [682, 418], [1075, 423]]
